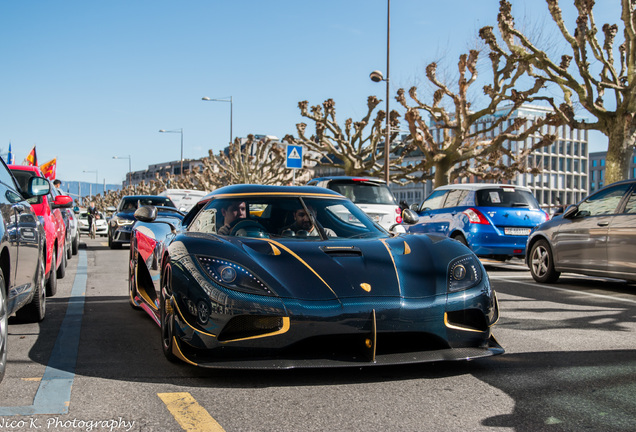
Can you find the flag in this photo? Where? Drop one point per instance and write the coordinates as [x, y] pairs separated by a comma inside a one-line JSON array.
[[10, 156], [31, 159], [48, 168]]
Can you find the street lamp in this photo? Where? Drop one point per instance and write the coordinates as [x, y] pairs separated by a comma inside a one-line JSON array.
[[96, 182], [376, 76], [129, 167], [225, 99], [176, 131]]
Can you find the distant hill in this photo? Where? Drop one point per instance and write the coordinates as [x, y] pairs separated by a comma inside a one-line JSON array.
[[75, 188]]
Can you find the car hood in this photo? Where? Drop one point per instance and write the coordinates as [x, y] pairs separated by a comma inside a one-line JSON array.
[[401, 266]]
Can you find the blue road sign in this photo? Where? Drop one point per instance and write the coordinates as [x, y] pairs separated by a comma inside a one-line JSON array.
[[294, 156]]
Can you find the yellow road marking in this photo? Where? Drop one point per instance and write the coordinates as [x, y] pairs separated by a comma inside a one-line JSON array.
[[188, 413]]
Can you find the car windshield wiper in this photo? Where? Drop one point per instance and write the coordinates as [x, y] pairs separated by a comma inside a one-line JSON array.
[[520, 204]]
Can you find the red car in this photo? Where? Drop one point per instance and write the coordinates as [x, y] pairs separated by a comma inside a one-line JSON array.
[[47, 208]]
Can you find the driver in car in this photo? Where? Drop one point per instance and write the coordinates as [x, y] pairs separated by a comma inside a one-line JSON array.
[[232, 214], [303, 225]]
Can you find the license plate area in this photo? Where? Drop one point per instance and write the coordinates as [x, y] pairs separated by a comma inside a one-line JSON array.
[[517, 231]]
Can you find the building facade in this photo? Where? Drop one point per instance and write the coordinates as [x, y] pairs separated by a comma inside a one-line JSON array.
[[597, 170]]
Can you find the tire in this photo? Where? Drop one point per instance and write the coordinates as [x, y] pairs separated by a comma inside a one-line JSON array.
[[167, 316], [51, 283], [542, 263], [132, 280], [4, 322], [75, 244], [61, 270], [36, 309], [460, 238], [69, 252], [112, 244]]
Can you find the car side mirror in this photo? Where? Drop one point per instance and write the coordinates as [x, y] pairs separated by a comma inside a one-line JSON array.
[[62, 201], [570, 211], [146, 213], [38, 186], [409, 217]]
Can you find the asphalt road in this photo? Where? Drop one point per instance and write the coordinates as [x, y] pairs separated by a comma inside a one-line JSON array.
[[94, 364]]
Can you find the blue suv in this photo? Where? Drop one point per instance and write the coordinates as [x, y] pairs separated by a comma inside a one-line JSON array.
[[494, 220]]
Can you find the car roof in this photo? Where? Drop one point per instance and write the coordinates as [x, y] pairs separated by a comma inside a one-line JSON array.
[[250, 189], [26, 168], [480, 186], [344, 178]]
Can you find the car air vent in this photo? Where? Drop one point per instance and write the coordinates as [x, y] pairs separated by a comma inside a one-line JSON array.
[[342, 251]]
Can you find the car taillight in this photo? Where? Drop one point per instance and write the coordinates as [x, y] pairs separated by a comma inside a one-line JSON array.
[[398, 218], [475, 216]]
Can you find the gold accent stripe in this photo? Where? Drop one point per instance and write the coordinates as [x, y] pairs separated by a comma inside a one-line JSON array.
[[191, 416], [283, 329], [407, 248], [176, 306], [177, 352], [374, 328], [397, 276], [292, 253], [456, 327]]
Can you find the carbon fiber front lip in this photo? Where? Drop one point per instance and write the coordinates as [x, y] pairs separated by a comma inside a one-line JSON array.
[[451, 354]]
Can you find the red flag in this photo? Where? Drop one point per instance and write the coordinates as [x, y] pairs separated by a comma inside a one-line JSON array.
[[48, 169], [31, 159]]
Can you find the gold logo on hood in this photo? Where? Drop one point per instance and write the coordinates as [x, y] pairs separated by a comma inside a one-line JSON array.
[[366, 287]]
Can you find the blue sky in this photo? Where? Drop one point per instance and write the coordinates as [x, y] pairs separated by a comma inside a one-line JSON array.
[[88, 80]]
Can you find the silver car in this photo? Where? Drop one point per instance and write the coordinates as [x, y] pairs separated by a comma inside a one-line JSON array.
[[595, 237]]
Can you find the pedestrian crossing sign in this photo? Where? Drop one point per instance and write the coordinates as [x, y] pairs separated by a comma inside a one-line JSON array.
[[294, 156]]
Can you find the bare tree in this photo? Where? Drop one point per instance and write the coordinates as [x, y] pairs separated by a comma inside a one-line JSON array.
[[596, 70], [448, 136], [356, 149]]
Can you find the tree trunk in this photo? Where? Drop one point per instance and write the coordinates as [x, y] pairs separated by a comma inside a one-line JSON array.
[[622, 137], [442, 172]]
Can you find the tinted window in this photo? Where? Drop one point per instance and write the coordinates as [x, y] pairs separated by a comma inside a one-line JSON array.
[[130, 204], [631, 204], [603, 202], [455, 197], [5, 176], [22, 177], [435, 200], [506, 197], [364, 192]]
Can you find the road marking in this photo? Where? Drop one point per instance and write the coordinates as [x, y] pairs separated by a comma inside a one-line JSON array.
[[550, 287], [191, 416], [54, 393]]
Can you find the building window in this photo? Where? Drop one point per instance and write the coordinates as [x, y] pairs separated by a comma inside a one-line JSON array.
[[594, 163]]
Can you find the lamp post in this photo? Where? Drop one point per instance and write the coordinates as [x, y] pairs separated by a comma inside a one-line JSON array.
[[129, 167], [181, 132], [225, 99], [376, 76], [90, 189]]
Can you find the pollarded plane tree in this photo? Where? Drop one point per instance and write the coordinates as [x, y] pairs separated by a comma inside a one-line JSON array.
[[458, 140], [595, 74]]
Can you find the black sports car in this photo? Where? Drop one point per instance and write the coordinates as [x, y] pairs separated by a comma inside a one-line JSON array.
[[283, 277]]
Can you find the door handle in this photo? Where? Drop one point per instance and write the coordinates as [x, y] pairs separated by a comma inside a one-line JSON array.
[[603, 224]]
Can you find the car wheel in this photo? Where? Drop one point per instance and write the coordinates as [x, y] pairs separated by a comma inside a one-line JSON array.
[[542, 263], [61, 270], [51, 283], [75, 244], [132, 279], [167, 314], [4, 331], [36, 309], [460, 238], [69, 252]]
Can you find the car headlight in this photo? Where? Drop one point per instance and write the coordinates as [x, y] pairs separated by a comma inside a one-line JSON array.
[[463, 273], [233, 276], [121, 222]]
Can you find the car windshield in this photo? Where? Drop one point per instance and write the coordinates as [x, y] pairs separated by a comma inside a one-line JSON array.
[[131, 204], [22, 178], [292, 218], [361, 192], [506, 197]]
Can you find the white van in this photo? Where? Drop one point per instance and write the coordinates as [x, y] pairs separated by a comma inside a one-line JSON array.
[[184, 199]]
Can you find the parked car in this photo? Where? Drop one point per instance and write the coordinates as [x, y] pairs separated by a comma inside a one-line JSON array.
[[596, 237], [345, 294], [70, 222], [75, 232], [49, 208], [373, 196], [119, 226], [184, 199], [22, 243], [101, 224], [493, 220]]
